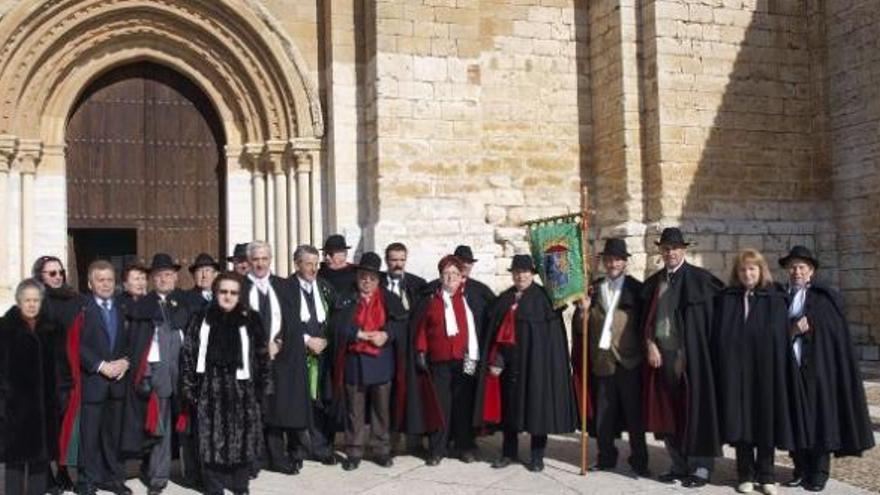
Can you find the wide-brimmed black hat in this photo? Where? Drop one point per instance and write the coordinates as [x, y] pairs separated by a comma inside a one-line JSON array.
[[370, 262], [163, 261], [615, 247], [672, 236], [465, 254], [799, 253], [335, 242], [239, 253], [203, 259], [522, 262]]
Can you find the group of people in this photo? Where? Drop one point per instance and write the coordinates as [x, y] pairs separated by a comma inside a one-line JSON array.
[[251, 370]]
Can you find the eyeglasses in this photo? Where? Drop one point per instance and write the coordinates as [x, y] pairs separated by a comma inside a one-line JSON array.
[[54, 273], [227, 292]]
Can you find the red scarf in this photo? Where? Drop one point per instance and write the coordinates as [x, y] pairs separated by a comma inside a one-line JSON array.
[[492, 393], [369, 316]]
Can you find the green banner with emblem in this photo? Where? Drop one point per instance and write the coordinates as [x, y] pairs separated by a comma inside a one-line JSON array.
[[557, 251]]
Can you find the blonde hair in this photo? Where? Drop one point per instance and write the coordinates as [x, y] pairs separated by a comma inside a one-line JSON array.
[[754, 257]]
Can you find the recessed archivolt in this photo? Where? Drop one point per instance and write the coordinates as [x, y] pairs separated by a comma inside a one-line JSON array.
[[50, 53]]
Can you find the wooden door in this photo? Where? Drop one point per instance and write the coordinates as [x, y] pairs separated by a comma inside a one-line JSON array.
[[144, 152]]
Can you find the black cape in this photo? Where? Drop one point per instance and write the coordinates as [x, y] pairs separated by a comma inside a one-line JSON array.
[[694, 316], [751, 368], [828, 399], [343, 280], [537, 395]]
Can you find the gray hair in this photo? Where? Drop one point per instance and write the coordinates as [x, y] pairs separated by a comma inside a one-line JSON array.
[[255, 246], [304, 249], [29, 283]]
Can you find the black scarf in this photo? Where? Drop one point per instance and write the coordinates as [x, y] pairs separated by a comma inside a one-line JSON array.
[[224, 341]]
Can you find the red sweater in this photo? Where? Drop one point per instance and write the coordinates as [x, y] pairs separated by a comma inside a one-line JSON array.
[[431, 335]]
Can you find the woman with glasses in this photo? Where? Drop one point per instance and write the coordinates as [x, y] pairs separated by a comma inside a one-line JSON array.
[[225, 367]]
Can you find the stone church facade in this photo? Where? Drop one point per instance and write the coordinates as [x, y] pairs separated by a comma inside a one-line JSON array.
[[750, 123]]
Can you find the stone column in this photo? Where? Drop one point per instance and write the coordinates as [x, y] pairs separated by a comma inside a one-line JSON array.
[[303, 195], [29, 154], [292, 204], [276, 151], [317, 199], [253, 155], [7, 154]]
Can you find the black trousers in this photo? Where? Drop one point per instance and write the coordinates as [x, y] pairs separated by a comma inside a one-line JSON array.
[[755, 464], [322, 432], [27, 478], [189, 452], [813, 465], [455, 392], [619, 396], [510, 445], [233, 478], [100, 431], [281, 442]]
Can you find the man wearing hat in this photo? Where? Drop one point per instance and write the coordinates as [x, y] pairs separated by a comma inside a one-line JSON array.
[[478, 290], [366, 328], [828, 396], [204, 270], [616, 355], [679, 391], [335, 268], [157, 337], [526, 379], [239, 259], [287, 412]]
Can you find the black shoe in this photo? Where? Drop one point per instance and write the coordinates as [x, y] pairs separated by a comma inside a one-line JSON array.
[[116, 488], [502, 462], [154, 491], [433, 460], [694, 482], [327, 460], [286, 467], [385, 461], [351, 463], [298, 464], [670, 477], [536, 466], [86, 490], [468, 457], [600, 467], [795, 481], [814, 486], [642, 472]]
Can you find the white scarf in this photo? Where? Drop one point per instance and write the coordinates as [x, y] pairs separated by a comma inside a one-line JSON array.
[[610, 296], [243, 373], [452, 324], [275, 307], [304, 314], [795, 311]]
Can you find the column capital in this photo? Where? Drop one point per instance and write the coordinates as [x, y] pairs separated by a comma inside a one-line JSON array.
[[304, 160], [30, 151], [8, 146], [275, 153], [251, 156], [305, 143]]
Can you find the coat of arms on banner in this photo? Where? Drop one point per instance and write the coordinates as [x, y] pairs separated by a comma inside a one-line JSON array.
[[556, 249]]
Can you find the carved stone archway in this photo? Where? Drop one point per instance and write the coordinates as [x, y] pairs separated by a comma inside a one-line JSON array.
[[232, 49]]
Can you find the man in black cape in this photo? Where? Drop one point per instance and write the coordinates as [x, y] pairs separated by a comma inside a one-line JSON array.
[[680, 398], [525, 383], [616, 357], [287, 412], [335, 268], [204, 270], [829, 407]]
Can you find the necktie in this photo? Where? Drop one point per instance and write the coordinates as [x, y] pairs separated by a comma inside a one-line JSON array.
[[109, 323]]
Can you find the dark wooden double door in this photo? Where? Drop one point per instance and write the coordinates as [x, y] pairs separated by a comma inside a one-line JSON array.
[[145, 170]]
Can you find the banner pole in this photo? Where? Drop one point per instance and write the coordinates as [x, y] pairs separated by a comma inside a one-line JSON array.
[[585, 325]]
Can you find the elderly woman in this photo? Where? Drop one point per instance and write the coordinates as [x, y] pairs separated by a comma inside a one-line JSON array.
[[134, 281], [830, 414], [225, 368], [29, 414], [447, 345], [750, 357]]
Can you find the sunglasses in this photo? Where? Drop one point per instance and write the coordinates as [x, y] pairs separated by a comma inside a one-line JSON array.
[[227, 292], [54, 273]]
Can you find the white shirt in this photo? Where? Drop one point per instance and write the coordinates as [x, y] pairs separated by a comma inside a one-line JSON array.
[[610, 291]]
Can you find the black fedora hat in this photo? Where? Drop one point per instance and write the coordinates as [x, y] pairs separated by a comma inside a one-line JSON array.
[[465, 254], [203, 259], [239, 253], [335, 242], [163, 261], [672, 236], [615, 247], [370, 262], [799, 253], [522, 262]]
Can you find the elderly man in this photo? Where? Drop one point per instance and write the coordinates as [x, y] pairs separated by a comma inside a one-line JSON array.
[[680, 389], [159, 319], [203, 270], [367, 328], [829, 398], [239, 259], [617, 353], [335, 268], [313, 303], [287, 413], [103, 346]]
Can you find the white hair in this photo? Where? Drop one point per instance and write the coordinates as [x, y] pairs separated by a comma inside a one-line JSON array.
[[29, 283], [255, 246]]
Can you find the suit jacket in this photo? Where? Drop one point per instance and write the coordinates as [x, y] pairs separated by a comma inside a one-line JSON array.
[[627, 344], [413, 287], [94, 348]]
